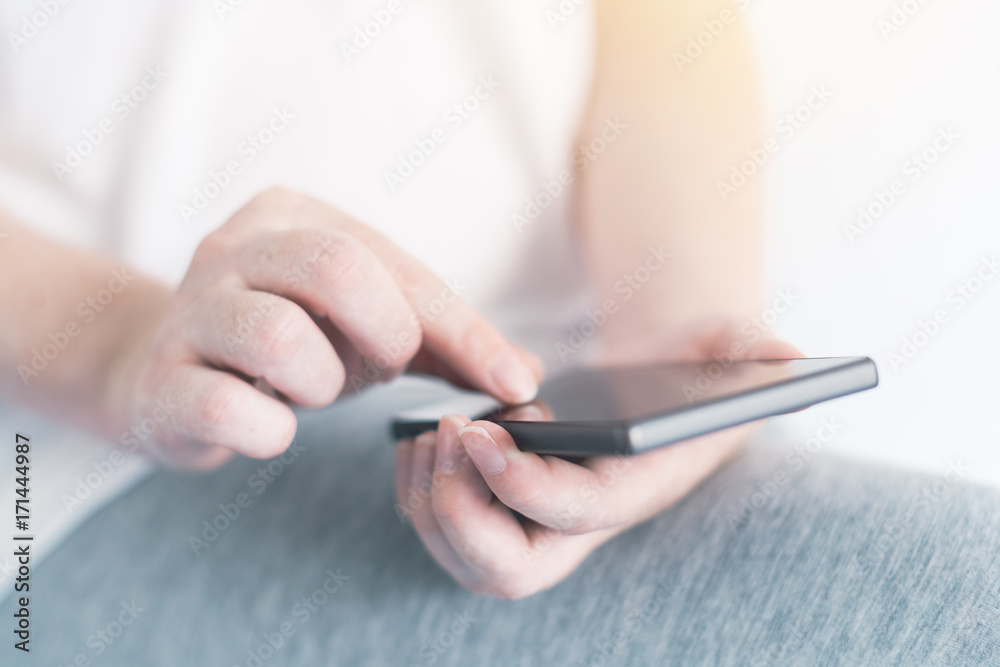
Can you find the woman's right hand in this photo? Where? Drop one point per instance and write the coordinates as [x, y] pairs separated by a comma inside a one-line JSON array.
[[292, 299]]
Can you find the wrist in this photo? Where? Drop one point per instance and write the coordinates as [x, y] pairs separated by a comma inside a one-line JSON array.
[[136, 329]]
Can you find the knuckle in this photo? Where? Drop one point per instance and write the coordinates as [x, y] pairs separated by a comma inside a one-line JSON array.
[[216, 408], [521, 496], [344, 261], [409, 340], [277, 196], [280, 335], [477, 340], [273, 208], [410, 272], [398, 346], [446, 509], [211, 248]]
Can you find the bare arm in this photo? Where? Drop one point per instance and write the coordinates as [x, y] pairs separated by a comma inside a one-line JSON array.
[[68, 316], [655, 185]]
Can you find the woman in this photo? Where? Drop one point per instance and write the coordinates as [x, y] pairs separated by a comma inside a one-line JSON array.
[[312, 198]]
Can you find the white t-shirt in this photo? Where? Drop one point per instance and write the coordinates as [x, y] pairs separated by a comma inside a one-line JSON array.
[[139, 127]]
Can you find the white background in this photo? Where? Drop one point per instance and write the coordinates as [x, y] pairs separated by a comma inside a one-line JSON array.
[[890, 97]]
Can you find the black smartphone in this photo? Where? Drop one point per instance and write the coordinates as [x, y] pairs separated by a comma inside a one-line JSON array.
[[633, 409]]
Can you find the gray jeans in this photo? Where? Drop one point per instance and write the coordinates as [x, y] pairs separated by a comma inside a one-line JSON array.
[[304, 562]]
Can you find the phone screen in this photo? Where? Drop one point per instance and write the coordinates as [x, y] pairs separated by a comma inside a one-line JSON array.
[[622, 393]]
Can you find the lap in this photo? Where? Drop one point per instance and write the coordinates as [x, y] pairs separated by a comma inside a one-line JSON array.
[[837, 563]]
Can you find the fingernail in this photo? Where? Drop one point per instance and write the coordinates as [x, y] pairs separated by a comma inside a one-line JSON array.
[[449, 445], [484, 452], [514, 379]]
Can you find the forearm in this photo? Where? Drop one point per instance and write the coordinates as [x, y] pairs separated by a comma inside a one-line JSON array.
[[655, 186], [70, 320]]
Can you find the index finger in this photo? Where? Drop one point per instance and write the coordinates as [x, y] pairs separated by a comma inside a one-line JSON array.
[[453, 331]]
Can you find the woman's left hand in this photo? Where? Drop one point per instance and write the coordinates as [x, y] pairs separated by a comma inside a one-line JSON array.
[[509, 523]]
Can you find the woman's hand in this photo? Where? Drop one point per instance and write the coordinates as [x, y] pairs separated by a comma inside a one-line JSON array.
[[509, 523], [293, 299]]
